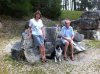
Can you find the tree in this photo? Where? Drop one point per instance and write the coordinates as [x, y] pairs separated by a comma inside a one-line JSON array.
[[17, 8], [49, 8], [85, 3]]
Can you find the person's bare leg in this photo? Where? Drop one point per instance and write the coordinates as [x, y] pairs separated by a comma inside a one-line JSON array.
[[72, 51], [65, 50], [44, 54], [42, 51]]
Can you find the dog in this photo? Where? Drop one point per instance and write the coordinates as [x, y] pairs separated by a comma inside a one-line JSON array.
[[58, 53]]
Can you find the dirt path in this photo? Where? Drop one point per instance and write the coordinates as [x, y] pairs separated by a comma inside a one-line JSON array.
[[87, 62]]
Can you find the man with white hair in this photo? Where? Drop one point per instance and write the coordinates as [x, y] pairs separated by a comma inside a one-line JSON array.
[[67, 35]]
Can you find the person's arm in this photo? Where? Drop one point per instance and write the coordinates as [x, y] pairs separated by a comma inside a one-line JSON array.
[[43, 31], [30, 32], [72, 37]]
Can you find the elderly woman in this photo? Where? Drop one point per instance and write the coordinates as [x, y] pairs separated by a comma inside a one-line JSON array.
[[37, 33], [67, 35]]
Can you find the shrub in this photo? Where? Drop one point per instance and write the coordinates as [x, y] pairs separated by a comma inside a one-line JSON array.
[[17, 8]]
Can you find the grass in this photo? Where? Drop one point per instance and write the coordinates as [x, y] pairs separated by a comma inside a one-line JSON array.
[[11, 66], [94, 43], [73, 15]]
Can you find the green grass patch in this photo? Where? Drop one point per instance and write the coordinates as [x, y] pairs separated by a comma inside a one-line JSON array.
[[70, 14], [94, 43]]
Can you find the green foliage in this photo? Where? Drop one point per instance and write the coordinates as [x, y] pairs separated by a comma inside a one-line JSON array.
[[94, 43], [70, 14], [49, 8], [55, 9], [18, 8]]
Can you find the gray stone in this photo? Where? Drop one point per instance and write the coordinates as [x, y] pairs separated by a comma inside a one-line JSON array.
[[16, 51], [63, 22], [78, 37], [93, 15], [1, 26], [26, 42], [51, 34], [32, 55], [75, 24], [88, 24], [91, 34], [78, 47]]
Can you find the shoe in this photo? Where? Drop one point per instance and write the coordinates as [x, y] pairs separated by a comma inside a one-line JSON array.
[[44, 61], [72, 58], [65, 58]]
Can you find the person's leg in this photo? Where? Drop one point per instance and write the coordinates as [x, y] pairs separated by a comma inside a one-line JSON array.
[[42, 48], [65, 49], [38, 41], [72, 51], [42, 51]]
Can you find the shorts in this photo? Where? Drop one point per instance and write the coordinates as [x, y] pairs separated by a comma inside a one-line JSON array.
[[64, 41], [38, 40]]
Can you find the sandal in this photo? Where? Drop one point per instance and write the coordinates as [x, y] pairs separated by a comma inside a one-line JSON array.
[[65, 58], [72, 58]]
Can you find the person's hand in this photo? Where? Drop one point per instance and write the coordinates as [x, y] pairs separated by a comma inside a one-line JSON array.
[[29, 36], [69, 40]]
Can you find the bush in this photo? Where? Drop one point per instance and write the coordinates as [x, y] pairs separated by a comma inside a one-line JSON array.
[[49, 8], [17, 8]]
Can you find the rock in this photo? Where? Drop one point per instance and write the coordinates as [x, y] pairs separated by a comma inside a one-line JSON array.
[[91, 34], [49, 47], [16, 51], [26, 42], [92, 15], [88, 24], [32, 55], [78, 37], [63, 22], [75, 24], [1, 26], [51, 34], [78, 47]]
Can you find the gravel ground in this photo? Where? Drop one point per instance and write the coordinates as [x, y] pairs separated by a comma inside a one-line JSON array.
[[87, 62]]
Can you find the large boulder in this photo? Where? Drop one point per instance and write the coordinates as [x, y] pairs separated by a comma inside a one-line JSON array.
[[91, 34], [93, 15], [16, 51], [51, 34], [32, 53], [78, 37], [89, 24]]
